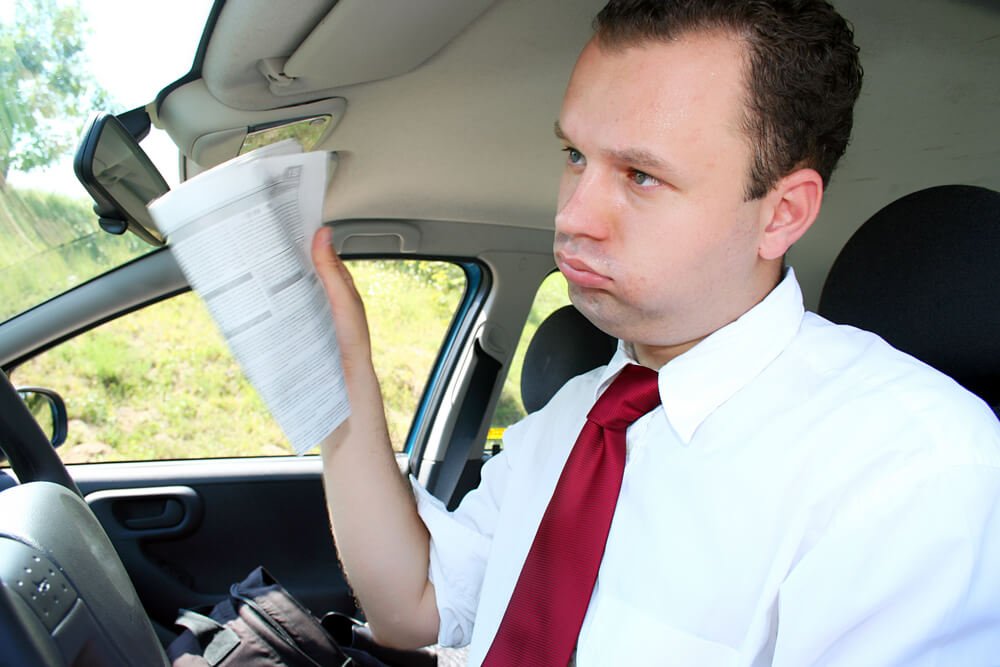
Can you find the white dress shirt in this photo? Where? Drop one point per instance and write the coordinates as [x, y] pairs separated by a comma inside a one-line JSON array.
[[806, 495]]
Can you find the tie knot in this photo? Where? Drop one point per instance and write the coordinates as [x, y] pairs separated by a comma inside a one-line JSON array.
[[633, 393]]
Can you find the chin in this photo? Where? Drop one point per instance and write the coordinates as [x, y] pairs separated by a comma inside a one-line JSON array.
[[596, 309]]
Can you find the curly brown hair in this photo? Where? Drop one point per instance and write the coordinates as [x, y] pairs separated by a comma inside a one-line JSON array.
[[803, 72]]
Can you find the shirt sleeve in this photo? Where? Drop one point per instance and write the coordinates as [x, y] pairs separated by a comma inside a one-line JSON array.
[[908, 575], [460, 547]]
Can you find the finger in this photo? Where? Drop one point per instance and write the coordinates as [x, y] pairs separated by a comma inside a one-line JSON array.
[[345, 301], [329, 267]]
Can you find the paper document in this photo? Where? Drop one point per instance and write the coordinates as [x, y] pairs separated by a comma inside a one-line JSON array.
[[241, 234]]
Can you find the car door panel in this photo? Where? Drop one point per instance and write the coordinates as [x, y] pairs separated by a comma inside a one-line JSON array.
[[187, 530]]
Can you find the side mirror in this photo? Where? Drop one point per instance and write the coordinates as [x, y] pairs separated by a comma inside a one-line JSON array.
[[120, 177], [49, 410]]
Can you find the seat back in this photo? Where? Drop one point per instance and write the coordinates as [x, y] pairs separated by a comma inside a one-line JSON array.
[[565, 345], [924, 274]]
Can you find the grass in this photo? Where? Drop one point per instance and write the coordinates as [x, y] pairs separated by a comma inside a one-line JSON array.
[[50, 243], [160, 383]]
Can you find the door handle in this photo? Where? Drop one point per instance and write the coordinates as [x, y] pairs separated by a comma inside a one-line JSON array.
[[158, 511]]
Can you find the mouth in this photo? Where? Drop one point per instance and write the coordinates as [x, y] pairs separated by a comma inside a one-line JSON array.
[[579, 273]]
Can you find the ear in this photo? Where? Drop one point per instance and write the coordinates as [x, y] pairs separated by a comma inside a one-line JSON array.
[[795, 202]]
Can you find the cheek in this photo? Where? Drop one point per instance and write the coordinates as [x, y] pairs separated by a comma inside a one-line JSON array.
[[685, 245], [649, 283], [668, 237], [651, 263], [745, 234]]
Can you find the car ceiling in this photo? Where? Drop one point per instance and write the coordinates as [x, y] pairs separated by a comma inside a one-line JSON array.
[[446, 112]]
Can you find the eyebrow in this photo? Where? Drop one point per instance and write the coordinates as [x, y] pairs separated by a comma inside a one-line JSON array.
[[635, 157], [640, 159]]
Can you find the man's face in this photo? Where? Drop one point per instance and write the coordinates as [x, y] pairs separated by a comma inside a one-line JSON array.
[[653, 233]]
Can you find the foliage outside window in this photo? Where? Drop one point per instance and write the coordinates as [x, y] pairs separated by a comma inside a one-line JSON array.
[[48, 241], [46, 87], [551, 295], [160, 383]]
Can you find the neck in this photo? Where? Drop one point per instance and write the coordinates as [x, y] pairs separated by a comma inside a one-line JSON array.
[[657, 356]]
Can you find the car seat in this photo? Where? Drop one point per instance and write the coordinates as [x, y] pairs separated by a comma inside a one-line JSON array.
[[565, 345], [923, 273]]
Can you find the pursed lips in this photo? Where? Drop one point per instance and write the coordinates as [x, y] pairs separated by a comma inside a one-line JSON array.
[[579, 272]]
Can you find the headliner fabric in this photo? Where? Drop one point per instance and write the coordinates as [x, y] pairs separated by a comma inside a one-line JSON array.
[[924, 273], [565, 345]]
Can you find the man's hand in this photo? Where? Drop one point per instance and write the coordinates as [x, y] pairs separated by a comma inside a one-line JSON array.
[[345, 302], [382, 542]]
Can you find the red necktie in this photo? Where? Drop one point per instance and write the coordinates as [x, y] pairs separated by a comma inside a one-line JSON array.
[[546, 610]]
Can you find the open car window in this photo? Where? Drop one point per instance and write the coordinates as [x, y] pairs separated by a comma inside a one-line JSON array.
[[160, 383], [551, 295]]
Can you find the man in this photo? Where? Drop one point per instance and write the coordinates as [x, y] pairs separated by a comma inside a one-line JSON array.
[[804, 495]]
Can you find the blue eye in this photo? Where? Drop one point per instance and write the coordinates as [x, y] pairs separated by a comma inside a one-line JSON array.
[[643, 179], [573, 156]]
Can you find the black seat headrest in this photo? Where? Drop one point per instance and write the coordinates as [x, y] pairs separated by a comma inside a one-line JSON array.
[[565, 345], [924, 273]]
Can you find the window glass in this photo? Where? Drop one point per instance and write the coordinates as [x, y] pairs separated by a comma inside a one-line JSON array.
[[49, 243], [160, 383], [61, 61], [551, 296]]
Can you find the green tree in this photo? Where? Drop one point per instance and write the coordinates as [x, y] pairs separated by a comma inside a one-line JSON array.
[[44, 84]]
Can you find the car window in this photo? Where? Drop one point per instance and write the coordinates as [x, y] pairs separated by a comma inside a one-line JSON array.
[[160, 383], [49, 243], [551, 296], [59, 62]]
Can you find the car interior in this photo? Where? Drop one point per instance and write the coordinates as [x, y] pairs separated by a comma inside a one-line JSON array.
[[441, 115]]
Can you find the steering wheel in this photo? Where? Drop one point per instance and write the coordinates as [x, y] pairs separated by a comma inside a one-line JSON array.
[[65, 597]]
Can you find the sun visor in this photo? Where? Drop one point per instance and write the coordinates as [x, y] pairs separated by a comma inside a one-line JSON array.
[[263, 56], [368, 40]]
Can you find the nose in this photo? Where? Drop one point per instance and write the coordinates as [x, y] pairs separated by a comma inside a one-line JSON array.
[[584, 205]]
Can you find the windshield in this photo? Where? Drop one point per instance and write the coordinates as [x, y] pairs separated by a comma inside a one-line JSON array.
[[61, 60]]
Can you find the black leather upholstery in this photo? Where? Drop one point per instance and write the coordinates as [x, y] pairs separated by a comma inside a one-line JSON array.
[[565, 345], [924, 273]]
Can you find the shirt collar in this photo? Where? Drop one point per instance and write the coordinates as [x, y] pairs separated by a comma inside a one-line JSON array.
[[696, 383]]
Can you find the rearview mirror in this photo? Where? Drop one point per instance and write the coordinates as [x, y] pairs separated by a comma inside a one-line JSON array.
[[120, 177]]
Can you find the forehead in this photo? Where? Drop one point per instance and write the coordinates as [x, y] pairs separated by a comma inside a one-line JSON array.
[[692, 86]]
